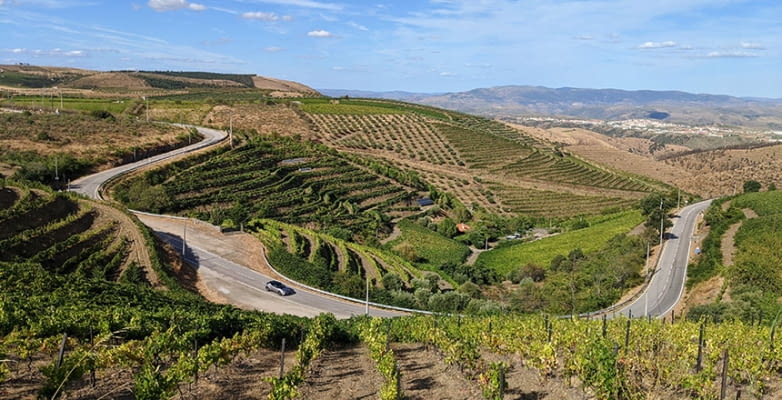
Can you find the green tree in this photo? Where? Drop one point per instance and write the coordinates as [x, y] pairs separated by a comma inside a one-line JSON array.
[[392, 281], [406, 251], [470, 289], [527, 298], [751, 186], [447, 228], [656, 208]]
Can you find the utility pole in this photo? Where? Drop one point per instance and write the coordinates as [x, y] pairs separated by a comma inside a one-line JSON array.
[[678, 198], [662, 219], [231, 129], [146, 106], [366, 302]]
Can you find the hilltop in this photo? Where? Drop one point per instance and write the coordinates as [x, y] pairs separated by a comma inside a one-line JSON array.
[[38, 77]]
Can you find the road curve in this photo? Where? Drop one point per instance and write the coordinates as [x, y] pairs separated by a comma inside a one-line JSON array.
[[667, 283], [90, 185], [241, 286]]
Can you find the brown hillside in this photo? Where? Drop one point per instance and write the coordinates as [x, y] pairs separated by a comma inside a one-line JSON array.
[[193, 81], [110, 80], [626, 154], [54, 72], [707, 174], [723, 172], [283, 88], [103, 141], [265, 119]]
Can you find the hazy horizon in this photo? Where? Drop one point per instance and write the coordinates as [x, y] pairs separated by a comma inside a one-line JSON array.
[[438, 46]]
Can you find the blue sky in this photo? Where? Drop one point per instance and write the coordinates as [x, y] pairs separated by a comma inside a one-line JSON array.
[[704, 46]]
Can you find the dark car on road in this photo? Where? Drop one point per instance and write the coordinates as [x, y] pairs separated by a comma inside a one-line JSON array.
[[279, 288]]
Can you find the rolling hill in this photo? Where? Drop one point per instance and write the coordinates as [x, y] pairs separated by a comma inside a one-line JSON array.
[[33, 77], [604, 104]]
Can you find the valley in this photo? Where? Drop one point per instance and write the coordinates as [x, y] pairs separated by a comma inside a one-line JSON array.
[[412, 205]]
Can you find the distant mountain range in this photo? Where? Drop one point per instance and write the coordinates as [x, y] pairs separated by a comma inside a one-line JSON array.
[[604, 104]]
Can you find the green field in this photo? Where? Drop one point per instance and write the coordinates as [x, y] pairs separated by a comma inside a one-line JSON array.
[[540, 252], [350, 107], [52, 101], [432, 248]]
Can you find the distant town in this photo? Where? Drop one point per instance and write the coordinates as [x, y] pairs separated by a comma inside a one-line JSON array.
[[652, 127]]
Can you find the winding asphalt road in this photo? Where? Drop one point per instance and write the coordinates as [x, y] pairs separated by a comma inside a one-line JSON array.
[[238, 284], [90, 185], [667, 284], [244, 287]]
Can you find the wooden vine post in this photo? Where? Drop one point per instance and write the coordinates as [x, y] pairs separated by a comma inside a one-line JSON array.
[[282, 358]]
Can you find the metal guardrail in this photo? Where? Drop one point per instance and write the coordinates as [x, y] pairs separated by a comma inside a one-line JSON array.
[[285, 278], [141, 163], [347, 298]]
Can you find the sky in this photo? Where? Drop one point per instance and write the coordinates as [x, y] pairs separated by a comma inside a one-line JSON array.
[[729, 47]]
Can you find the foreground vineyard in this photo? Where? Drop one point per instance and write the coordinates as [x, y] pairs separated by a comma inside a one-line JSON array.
[[125, 339], [171, 356]]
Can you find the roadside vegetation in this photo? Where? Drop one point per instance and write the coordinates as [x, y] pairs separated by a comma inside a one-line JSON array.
[[753, 283]]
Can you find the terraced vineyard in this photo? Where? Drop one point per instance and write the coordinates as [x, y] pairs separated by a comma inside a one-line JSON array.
[[280, 178], [333, 254], [479, 161], [408, 135], [68, 235], [555, 204]]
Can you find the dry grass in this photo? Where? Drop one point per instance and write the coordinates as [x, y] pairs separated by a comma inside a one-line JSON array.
[[708, 174], [265, 119], [118, 80], [82, 136], [282, 88]]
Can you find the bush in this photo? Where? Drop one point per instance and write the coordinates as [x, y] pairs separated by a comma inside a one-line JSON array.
[[300, 270], [448, 302], [102, 114], [751, 186], [392, 281]]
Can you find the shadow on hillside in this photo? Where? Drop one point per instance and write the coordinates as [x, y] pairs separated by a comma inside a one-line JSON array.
[[175, 241]]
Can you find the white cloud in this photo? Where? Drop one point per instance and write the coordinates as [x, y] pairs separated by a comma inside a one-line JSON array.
[[52, 52], [752, 46], [320, 33], [730, 54], [657, 45], [274, 49], [260, 16], [447, 74], [166, 5], [357, 26], [584, 37], [170, 5], [301, 3]]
